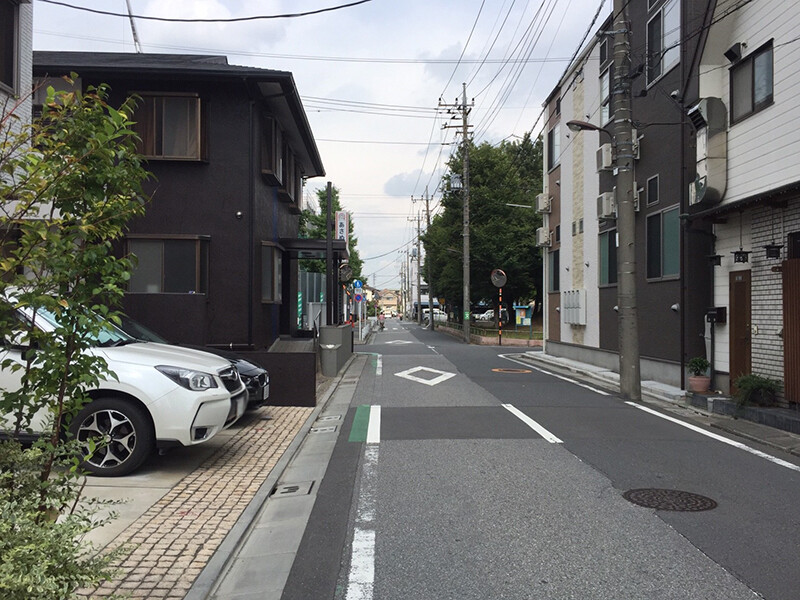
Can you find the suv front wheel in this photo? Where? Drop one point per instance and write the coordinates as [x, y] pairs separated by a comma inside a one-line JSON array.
[[122, 433]]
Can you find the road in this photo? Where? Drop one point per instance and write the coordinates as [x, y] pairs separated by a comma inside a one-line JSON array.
[[463, 474]]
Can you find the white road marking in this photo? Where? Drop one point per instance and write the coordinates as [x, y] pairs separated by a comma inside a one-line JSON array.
[[378, 365], [374, 427], [361, 579], [442, 375], [719, 438], [567, 379], [532, 424]]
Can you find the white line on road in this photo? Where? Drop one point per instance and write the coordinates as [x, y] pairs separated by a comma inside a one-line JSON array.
[[379, 366], [374, 427], [567, 379], [719, 438], [361, 580], [532, 424]]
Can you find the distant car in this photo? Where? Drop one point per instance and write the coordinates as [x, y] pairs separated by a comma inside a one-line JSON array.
[[159, 396], [254, 377], [439, 316], [489, 315]]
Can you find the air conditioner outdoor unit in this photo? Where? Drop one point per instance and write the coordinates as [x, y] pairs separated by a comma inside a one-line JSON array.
[[543, 203], [605, 158], [606, 206], [543, 237]]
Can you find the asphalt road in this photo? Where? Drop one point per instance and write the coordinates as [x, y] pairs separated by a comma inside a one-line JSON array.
[[461, 474]]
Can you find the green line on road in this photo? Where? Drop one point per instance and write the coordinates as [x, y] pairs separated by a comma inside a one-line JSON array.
[[358, 433]]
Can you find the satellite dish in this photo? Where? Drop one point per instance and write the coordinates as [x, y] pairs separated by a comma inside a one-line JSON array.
[[499, 278]]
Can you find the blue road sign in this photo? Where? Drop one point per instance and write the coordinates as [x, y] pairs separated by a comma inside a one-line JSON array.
[[358, 283]]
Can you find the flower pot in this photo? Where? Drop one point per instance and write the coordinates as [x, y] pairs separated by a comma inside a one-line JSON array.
[[699, 383]]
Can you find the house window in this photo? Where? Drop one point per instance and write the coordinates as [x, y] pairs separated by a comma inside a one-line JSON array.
[[604, 54], [553, 267], [553, 147], [608, 241], [272, 151], [605, 97], [169, 127], [751, 83], [8, 44], [663, 40], [663, 244], [271, 268], [557, 233], [652, 190], [169, 265]]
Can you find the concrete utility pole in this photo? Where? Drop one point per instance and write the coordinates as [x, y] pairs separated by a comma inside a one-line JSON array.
[[464, 108], [628, 327], [428, 276], [419, 282], [465, 140]]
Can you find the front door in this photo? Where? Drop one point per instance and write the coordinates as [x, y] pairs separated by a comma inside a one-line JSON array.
[[741, 325]]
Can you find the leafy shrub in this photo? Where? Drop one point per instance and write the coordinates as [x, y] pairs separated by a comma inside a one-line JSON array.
[[756, 389]]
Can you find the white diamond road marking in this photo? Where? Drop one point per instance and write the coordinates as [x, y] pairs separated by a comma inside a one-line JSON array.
[[401, 342], [409, 374]]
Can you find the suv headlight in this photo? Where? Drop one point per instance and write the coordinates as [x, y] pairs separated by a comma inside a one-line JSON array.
[[189, 379]]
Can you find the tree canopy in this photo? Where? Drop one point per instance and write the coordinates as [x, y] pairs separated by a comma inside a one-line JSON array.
[[312, 226], [501, 236]]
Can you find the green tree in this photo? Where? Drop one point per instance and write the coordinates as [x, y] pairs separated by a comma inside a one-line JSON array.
[[501, 236], [68, 185], [312, 226]]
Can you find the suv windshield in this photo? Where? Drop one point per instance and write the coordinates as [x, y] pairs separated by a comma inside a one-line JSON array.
[[109, 335]]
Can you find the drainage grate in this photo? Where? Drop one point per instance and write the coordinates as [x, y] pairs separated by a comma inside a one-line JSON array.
[[293, 489], [330, 418], [329, 429], [669, 500]]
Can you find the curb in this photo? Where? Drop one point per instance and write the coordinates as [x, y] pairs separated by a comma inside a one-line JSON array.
[[227, 551]]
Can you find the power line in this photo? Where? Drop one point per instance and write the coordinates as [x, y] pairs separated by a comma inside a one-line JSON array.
[[229, 20]]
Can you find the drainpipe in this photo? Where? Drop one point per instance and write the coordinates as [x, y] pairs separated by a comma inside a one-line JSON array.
[[251, 221]]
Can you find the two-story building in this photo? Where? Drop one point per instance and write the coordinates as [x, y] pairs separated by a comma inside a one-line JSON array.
[[229, 148]]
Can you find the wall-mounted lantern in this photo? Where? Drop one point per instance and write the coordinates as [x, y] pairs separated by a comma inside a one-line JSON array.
[[773, 250]]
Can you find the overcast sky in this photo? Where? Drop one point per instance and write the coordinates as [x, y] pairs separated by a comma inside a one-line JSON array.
[[370, 77]]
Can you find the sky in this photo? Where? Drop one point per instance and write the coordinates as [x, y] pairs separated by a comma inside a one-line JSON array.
[[370, 77]]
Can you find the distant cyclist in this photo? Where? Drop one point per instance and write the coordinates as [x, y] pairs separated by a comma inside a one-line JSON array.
[[381, 321]]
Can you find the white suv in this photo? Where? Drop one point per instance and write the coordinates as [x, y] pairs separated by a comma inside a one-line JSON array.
[[163, 396]]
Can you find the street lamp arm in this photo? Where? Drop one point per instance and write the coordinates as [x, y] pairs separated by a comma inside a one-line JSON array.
[[586, 126]]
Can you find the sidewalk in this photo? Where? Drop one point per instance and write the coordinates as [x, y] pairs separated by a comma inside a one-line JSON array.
[[188, 508]]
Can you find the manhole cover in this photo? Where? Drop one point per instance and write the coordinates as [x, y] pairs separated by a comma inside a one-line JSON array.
[[669, 500]]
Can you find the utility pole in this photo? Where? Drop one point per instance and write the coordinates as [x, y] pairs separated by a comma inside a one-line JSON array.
[[428, 275], [464, 108], [419, 288], [628, 329]]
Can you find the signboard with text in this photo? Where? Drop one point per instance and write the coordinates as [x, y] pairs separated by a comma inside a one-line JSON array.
[[342, 225]]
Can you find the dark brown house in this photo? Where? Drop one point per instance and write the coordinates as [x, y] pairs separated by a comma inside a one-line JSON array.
[[229, 147]]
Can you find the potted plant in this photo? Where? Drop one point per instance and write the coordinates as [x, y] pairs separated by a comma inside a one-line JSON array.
[[756, 389], [699, 380]]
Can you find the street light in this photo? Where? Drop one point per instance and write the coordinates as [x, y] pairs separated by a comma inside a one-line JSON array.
[[586, 126], [627, 320]]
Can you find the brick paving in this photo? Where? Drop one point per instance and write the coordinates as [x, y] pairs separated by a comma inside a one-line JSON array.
[[173, 541]]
